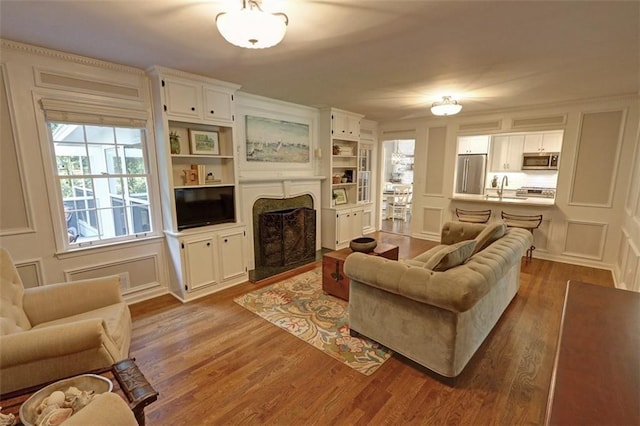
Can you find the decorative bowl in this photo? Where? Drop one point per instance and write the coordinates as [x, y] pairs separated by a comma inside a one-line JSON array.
[[363, 244], [85, 382]]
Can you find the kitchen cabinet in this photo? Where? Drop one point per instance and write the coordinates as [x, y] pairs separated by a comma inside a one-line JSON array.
[[473, 144], [543, 142], [506, 153], [341, 225]]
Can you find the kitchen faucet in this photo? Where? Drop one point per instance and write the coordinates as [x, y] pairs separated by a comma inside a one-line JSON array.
[[505, 181]]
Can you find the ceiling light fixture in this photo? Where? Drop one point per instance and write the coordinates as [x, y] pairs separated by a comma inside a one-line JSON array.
[[447, 106], [251, 27]]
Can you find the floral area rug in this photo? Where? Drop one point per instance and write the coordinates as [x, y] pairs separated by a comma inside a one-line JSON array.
[[299, 306]]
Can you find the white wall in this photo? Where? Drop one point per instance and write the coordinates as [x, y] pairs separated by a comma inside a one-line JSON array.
[[32, 73], [627, 266], [572, 232]]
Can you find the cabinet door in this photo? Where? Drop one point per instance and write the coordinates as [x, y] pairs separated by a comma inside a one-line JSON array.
[[367, 219], [513, 159], [343, 227], [356, 223], [232, 256], [184, 99], [533, 143], [499, 149], [353, 127], [552, 142], [339, 125], [199, 262], [218, 105], [473, 145]]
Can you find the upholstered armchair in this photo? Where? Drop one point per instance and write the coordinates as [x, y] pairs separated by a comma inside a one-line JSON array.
[[60, 330]]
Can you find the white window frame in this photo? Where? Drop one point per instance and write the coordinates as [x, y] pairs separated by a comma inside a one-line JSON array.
[[78, 111]]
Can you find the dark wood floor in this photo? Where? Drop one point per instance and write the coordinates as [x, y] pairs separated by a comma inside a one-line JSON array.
[[214, 362]]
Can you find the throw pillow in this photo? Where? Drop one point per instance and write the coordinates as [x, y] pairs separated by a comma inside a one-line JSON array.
[[450, 256], [489, 234]]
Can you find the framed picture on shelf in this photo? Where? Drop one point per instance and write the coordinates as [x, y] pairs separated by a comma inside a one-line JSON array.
[[340, 196], [204, 143]]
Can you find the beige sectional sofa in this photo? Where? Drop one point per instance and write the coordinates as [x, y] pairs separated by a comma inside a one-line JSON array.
[[427, 308], [59, 330]]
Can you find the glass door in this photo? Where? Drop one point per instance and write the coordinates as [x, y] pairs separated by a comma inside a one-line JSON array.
[[364, 173]]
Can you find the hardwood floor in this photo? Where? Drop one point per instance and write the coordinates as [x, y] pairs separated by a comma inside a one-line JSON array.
[[214, 362]]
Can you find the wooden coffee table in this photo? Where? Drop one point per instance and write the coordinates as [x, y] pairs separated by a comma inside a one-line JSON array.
[[334, 281], [128, 382]]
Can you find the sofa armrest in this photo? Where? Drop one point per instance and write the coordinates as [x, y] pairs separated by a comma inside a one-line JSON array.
[[53, 342], [454, 232], [55, 301]]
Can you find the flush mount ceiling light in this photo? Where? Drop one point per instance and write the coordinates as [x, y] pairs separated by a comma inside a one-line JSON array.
[[251, 27], [447, 106]]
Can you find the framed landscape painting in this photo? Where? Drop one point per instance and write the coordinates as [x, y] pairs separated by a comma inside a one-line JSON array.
[[204, 143], [276, 141]]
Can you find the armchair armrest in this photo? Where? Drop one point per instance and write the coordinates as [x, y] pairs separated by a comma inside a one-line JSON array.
[[53, 342], [55, 301]]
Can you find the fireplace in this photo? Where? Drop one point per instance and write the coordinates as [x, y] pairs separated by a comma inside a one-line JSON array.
[[287, 236], [284, 234]]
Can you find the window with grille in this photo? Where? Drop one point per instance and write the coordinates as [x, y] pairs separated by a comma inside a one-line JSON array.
[[102, 176]]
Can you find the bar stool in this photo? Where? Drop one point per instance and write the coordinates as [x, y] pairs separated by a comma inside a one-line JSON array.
[[473, 216], [529, 223]]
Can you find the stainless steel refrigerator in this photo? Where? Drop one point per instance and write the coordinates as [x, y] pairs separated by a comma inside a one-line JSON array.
[[471, 173]]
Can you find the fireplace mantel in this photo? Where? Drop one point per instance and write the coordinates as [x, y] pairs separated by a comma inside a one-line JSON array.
[[261, 179]]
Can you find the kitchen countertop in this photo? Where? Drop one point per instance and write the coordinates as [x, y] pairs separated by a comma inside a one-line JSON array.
[[522, 201]]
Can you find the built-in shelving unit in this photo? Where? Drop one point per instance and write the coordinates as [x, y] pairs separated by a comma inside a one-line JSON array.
[[342, 214], [199, 182]]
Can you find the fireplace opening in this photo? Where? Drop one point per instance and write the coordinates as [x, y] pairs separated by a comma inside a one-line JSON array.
[[287, 236], [284, 235]]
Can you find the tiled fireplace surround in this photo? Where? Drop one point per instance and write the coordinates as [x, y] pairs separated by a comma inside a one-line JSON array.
[[253, 189]]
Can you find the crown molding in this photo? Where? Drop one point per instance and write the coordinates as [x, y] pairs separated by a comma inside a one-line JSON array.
[[162, 71], [69, 57]]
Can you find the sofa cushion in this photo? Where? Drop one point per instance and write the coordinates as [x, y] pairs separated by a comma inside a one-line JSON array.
[[489, 234], [450, 256]]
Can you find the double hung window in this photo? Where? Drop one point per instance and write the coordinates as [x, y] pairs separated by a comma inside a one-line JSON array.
[[102, 177]]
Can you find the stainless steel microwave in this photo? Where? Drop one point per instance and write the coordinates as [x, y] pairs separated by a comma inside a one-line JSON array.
[[540, 161]]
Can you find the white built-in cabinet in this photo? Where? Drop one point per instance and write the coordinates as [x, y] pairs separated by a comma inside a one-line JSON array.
[[473, 145], [199, 260], [341, 225], [342, 190], [209, 257], [543, 142], [194, 100], [506, 153]]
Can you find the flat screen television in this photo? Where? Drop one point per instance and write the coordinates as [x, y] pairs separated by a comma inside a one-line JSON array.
[[205, 206]]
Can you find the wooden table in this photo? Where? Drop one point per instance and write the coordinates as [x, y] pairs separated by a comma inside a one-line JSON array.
[[334, 281], [128, 382], [596, 376]]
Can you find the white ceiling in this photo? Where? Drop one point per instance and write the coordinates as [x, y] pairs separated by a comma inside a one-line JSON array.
[[385, 59]]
